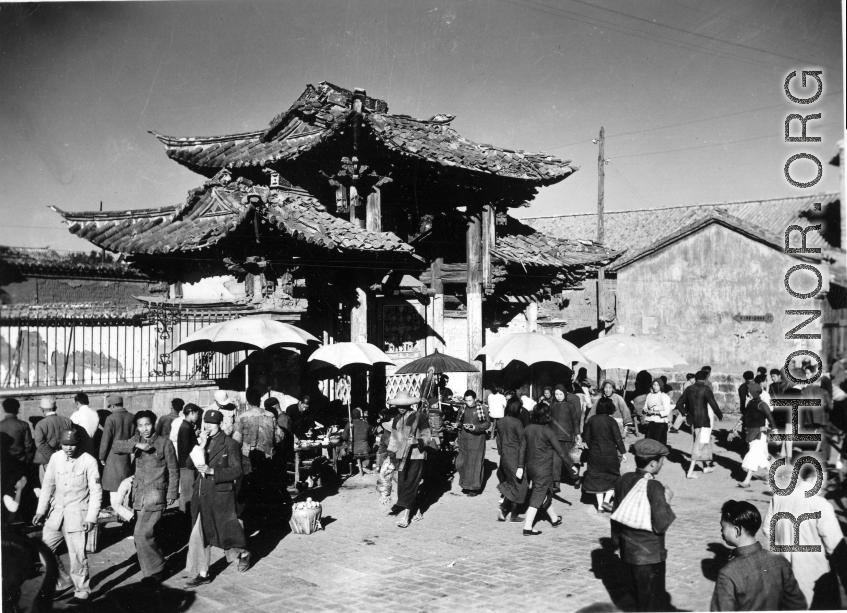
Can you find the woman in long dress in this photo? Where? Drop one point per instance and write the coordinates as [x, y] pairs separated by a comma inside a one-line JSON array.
[[510, 432], [602, 434], [757, 416], [538, 446], [474, 423]]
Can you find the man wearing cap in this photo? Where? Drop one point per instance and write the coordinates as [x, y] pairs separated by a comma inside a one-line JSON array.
[[226, 408], [642, 550], [118, 427], [410, 435], [47, 433], [70, 496], [694, 404], [820, 529], [213, 515]]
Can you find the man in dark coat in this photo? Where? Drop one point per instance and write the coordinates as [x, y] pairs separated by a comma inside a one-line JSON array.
[[17, 449], [694, 404], [118, 427], [185, 442], [213, 503], [163, 424], [47, 434], [154, 488]]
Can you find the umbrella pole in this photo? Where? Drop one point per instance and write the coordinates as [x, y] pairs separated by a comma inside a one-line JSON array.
[[626, 381]]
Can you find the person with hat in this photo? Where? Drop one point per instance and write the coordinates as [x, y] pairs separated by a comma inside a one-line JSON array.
[[68, 507], [757, 416], [118, 427], [605, 445], [473, 422], [226, 407], [46, 434], [407, 445], [820, 531], [694, 404], [154, 488], [639, 529], [213, 515], [565, 420]]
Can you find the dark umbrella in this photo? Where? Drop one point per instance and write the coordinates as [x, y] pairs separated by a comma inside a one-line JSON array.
[[440, 363]]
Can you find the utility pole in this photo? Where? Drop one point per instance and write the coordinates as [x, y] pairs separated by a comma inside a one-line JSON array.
[[601, 238], [102, 251]]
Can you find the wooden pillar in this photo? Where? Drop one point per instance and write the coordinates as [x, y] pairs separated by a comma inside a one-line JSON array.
[[359, 334], [373, 214], [437, 304], [487, 243], [601, 238], [532, 316], [473, 244]]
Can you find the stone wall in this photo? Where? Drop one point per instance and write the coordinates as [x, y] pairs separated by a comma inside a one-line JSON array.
[[689, 294], [724, 386]]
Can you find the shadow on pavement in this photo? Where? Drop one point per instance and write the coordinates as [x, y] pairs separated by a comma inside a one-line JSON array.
[[610, 569], [712, 566], [140, 598]]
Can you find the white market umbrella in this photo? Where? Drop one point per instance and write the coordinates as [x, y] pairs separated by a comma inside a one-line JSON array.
[[344, 355], [244, 334], [631, 352], [531, 348]]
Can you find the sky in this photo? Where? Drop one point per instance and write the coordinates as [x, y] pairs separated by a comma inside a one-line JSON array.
[[690, 92]]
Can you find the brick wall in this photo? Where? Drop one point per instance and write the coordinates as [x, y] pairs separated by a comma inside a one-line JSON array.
[[48, 290]]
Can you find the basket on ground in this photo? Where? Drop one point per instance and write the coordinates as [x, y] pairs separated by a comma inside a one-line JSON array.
[[306, 520]]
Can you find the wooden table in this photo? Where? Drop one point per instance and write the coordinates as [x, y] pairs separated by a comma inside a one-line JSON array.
[[333, 453]]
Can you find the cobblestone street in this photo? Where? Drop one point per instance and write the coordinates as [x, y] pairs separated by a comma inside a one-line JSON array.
[[458, 558]]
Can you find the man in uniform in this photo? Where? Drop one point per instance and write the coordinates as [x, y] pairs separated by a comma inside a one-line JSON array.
[[72, 483], [213, 503]]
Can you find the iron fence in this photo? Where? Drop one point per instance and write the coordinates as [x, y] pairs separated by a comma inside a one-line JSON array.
[[67, 351]]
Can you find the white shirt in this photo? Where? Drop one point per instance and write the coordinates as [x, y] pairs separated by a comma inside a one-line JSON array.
[[808, 566], [496, 405], [86, 417], [528, 403]]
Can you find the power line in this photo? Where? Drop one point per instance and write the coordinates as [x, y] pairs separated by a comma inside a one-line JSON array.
[[621, 29], [629, 185], [684, 31], [683, 123]]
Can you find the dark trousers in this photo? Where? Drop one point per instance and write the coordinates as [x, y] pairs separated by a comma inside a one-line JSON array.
[[658, 431], [150, 556], [649, 586], [408, 481]]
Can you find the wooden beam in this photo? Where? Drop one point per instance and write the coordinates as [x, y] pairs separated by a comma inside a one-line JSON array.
[[473, 248], [373, 215], [450, 273], [437, 286], [487, 243]]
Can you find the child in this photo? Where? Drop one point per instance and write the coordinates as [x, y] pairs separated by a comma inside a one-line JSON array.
[[643, 550], [360, 445], [753, 579]]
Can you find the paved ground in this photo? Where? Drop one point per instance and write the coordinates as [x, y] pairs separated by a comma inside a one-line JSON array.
[[457, 558]]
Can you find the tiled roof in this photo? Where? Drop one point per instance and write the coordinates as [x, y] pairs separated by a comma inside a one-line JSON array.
[[320, 111], [636, 230], [718, 216], [216, 209], [91, 312], [521, 244], [69, 264]]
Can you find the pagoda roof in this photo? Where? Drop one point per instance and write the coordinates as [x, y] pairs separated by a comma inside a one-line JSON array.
[[322, 111], [216, 209], [522, 244]]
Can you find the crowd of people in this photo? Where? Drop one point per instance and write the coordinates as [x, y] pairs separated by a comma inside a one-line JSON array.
[[210, 463]]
